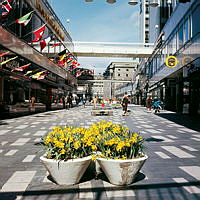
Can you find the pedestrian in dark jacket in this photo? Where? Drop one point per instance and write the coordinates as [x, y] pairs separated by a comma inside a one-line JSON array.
[[125, 102]]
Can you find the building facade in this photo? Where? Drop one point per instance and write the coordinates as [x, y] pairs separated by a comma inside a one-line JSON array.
[[98, 86], [18, 86], [177, 85], [120, 75]]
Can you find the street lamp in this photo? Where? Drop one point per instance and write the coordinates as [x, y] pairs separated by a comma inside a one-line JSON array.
[[133, 3], [155, 3], [108, 1], [111, 1]]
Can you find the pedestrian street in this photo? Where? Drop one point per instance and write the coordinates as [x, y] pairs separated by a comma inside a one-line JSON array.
[[172, 171]]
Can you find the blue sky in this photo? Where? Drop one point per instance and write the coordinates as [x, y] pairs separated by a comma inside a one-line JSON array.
[[99, 21]]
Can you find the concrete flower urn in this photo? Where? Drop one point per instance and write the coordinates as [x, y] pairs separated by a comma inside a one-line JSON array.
[[66, 172], [121, 172]]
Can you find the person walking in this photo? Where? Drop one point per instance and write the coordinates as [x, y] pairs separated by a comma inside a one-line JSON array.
[[149, 103], [95, 102], [84, 101], [63, 101], [125, 102], [70, 101], [33, 101], [66, 102]]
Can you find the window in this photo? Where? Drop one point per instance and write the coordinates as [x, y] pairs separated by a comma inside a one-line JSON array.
[[195, 21], [127, 70], [174, 44], [118, 74], [126, 75], [180, 37], [118, 69], [186, 31]]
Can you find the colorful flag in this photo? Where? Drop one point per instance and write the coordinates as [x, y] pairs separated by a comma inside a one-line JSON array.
[[62, 57], [6, 5], [6, 61], [74, 62], [44, 42], [61, 63], [36, 76], [42, 76], [21, 69], [78, 73], [62, 52], [73, 66], [57, 44], [28, 72], [5, 53], [69, 60], [24, 20], [39, 33]]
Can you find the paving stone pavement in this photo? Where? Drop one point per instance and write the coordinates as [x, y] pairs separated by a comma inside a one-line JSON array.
[[172, 171]]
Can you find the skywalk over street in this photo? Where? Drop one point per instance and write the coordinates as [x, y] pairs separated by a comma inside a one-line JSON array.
[[171, 171]]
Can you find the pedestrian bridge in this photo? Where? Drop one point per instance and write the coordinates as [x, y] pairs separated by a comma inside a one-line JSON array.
[[111, 49], [106, 49]]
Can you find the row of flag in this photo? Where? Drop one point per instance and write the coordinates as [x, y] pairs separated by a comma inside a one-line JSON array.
[[39, 75], [5, 5], [24, 20], [65, 60]]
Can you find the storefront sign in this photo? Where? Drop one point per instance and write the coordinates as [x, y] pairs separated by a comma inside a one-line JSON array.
[[171, 61], [186, 60], [49, 19]]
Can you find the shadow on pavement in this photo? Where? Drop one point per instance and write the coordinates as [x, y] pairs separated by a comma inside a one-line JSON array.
[[98, 190], [192, 122], [3, 123], [152, 139]]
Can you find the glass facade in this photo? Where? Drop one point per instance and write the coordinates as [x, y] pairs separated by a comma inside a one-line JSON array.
[[175, 86], [17, 87], [183, 33]]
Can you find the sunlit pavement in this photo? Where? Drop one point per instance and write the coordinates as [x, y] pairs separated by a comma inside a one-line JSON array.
[[172, 171]]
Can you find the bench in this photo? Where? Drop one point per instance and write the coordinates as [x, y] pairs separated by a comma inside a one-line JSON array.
[[101, 111]]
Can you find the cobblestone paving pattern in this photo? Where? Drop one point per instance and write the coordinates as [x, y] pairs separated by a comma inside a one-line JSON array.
[[172, 171]]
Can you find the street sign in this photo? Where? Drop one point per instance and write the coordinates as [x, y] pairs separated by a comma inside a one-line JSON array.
[[171, 61]]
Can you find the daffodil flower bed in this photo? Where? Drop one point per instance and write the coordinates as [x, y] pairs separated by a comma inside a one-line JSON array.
[[68, 143], [115, 141], [111, 141]]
